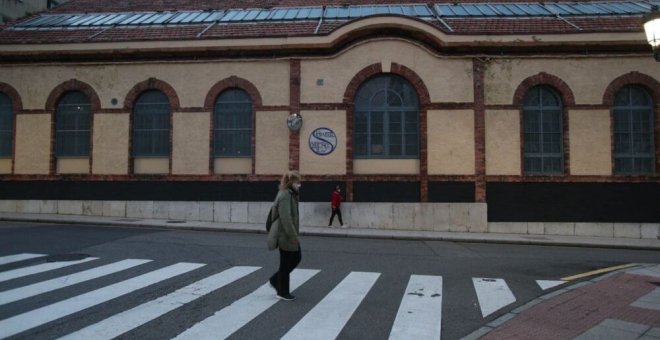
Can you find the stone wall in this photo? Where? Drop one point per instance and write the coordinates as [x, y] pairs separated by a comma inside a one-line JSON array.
[[464, 217], [442, 217]]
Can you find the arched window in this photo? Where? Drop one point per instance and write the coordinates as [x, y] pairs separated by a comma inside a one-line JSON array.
[[232, 124], [151, 125], [543, 132], [633, 131], [6, 125], [386, 119], [72, 125]]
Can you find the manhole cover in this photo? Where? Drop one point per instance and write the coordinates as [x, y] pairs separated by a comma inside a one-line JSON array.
[[175, 221], [128, 220], [66, 257]]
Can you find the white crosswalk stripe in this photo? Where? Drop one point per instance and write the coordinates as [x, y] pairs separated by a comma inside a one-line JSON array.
[[133, 318], [329, 316], [18, 257], [40, 268], [228, 320], [65, 281], [420, 312], [493, 294], [547, 284], [40, 316]]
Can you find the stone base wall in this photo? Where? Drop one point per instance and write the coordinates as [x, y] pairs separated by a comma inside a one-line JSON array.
[[445, 217], [612, 230], [464, 217]]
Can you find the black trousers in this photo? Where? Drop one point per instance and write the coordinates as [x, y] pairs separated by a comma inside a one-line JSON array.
[[289, 260], [332, 217]]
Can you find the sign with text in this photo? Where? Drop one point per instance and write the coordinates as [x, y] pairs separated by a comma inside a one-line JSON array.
[[323, 141]]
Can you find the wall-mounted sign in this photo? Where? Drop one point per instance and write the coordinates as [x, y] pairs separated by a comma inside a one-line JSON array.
[[323, 141]]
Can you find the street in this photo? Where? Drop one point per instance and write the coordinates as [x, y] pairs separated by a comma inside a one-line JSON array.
[[160, 284]]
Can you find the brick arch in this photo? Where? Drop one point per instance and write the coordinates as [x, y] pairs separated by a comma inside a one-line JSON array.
[[151, 84], [10, 91], [567, 99], [543, 78], [232, 82], [632, 78], [398, 69], [73, 85], [424, 101]]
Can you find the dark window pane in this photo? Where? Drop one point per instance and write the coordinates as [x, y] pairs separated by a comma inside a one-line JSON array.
[[6, 125], [386, 118], [543, 131], [233, 124], [151, 124], [72, 125], [633, 131]]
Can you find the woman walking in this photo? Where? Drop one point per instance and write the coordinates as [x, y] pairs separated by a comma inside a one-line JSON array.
[[284, 233]]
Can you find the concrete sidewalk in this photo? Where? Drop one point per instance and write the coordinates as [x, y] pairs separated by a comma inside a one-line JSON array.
[[621, 305], [337, 232]]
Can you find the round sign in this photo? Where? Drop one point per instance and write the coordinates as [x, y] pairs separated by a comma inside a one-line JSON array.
[[323, 141]]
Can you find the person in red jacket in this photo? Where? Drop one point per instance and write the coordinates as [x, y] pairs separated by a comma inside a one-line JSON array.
[[336, 203]]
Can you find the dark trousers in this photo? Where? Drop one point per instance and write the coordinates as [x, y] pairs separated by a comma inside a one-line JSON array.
[[289, 260], [332, 217]]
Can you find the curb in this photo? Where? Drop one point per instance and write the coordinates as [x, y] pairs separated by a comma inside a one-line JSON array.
[[345, 233]]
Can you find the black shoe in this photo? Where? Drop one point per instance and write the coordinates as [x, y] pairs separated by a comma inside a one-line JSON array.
[[272, 285], [286, 297]]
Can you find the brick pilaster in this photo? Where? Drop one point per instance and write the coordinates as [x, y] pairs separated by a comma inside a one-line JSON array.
[[478, 67], [294, 102]]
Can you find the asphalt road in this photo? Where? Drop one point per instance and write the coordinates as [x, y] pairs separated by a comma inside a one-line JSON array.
[[393, 261]]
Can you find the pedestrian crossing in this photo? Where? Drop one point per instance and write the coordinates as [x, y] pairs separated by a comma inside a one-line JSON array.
[[419, 313]]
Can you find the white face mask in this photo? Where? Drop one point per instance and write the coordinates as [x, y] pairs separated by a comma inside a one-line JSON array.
[[297, 186]]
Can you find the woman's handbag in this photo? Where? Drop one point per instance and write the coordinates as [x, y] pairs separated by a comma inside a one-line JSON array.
[[273, 227]]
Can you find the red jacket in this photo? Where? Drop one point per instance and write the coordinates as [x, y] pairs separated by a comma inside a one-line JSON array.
[[336, 200]]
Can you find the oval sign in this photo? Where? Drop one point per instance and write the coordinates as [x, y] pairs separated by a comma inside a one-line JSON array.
[[323, 141]]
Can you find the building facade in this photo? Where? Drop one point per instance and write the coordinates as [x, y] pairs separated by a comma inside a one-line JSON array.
[[543, 117]]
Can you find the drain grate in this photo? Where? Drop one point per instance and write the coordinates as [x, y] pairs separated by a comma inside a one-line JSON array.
[[66, 257], [175, 221]]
